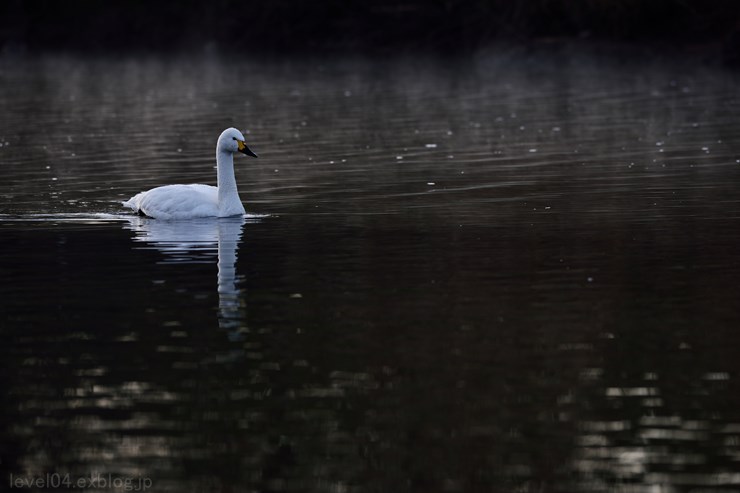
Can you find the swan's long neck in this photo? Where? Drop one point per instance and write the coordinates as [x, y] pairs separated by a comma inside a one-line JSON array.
[[226, 180], [229, 203]]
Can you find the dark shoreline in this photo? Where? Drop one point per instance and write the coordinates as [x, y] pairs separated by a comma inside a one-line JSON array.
[[283, 27]]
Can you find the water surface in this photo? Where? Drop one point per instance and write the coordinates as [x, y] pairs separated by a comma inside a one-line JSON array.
[[516, 273]]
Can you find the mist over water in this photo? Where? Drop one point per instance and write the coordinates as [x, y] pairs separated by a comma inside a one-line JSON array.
[[514, 272]]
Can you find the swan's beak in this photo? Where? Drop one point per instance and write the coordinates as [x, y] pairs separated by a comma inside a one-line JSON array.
[[244, 149]]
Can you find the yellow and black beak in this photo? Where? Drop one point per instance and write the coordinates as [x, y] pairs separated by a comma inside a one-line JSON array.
[[244, 149]]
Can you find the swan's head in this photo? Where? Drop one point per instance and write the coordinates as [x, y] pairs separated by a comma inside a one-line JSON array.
[[232, 140]]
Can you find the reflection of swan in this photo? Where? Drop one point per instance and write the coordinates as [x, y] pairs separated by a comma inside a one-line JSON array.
[[197, 241], [228, 295], [183, 241], [192, 201]]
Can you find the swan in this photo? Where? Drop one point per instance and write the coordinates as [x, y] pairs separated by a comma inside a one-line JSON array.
[[196, 200]]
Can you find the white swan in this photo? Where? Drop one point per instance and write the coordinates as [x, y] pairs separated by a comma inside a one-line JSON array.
[[192, 201]]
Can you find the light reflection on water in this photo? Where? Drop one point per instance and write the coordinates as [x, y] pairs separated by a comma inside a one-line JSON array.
[[508, 274]]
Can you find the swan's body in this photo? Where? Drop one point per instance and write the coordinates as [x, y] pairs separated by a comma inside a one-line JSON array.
[[193, 201], [184, 202]]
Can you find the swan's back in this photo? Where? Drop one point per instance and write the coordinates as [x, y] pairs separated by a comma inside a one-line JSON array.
[[176, 202]]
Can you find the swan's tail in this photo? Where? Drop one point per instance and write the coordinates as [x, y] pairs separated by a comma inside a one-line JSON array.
[[133, 203]]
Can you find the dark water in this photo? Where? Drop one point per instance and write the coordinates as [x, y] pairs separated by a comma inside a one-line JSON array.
[[508, 274]]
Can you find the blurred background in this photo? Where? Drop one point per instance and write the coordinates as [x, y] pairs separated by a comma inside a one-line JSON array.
[[294, 26]]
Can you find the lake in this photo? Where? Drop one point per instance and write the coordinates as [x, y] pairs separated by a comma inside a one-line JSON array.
[[514, 272]]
